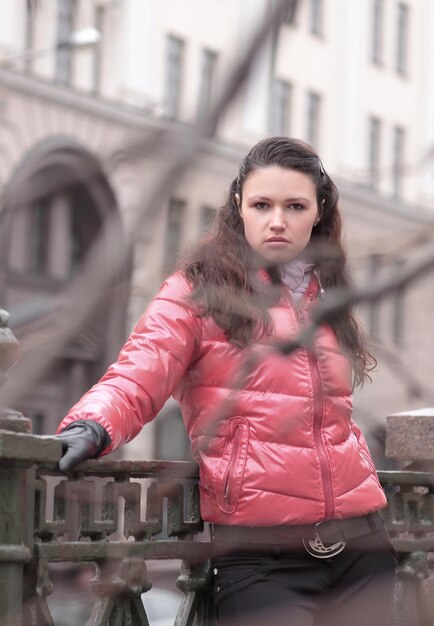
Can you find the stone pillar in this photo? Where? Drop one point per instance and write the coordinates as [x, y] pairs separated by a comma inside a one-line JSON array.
[[410, 438], [9, 420], [19, 450], [13, 552]]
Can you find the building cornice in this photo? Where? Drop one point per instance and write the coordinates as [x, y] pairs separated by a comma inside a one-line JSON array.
[[395, 207], [130, 117], [113, 111]]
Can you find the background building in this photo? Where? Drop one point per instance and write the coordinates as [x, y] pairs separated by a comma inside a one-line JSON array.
[[352, 77]]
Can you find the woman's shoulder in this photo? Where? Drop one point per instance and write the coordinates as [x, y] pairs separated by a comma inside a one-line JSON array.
[[175, 287]]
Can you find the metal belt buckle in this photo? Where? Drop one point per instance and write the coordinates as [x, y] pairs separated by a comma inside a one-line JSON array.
[[316, 548]]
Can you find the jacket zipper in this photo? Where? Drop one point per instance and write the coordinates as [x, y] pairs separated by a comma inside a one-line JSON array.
[[232, 459], [318, 400]]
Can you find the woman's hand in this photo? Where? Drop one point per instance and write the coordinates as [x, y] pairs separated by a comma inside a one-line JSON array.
[[82, 440]]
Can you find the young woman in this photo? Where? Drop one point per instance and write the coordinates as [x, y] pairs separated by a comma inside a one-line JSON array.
[[286, 478]]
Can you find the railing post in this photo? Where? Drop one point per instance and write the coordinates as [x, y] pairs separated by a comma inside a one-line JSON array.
[[18, 451], [410, 439], [14, 552]]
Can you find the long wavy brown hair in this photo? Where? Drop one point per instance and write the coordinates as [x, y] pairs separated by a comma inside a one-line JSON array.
[[223, 270]]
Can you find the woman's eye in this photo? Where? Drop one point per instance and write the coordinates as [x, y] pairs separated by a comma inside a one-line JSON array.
[[296, 207], [261, 205]]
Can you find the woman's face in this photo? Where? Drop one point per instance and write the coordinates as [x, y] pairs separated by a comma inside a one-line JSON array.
[[279, 209]]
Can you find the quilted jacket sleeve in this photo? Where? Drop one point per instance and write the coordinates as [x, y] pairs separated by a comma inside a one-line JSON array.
[[148, 369]]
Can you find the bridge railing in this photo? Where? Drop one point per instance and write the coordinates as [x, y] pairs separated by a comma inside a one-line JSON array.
[[118, 515]]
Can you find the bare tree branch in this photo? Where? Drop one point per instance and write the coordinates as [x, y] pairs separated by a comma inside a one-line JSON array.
[[180, 149], [335, 302], [338, 300], [415, 389]]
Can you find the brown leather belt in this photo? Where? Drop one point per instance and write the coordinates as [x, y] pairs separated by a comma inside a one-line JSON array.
[[329, 531]]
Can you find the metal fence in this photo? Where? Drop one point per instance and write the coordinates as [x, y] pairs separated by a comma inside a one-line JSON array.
[[118, 515]]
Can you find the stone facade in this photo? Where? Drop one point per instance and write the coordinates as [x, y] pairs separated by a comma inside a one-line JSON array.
[[115, 97]]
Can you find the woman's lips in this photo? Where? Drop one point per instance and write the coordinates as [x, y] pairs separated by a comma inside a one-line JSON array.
[[277, 242]]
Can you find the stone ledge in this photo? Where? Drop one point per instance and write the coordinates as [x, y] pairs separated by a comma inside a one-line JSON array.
[[14, 421], [28, 448], [410, 435]]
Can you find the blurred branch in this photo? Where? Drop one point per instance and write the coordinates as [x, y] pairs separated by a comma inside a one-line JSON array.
[[180, 149], [336, 301], [421, 237], [77, 40], [333, 304], [402, 370], [389, 172], [400, 248]]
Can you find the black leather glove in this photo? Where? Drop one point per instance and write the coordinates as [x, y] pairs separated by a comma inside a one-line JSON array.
[[82, 440]]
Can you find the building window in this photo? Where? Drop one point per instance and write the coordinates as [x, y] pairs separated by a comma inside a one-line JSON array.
[[206, 218], [398, 312], [377, 319], [100, 17], [207, 80], [316, 17], [38, 423], [65, 26], [82, 223], [377, 31], [175, 218], [280, 107], [30, 30], [374, 150], [77, 245], [398, 160], [375, 264], [291, 13], [402, 25], [39, 240], [171, 440], [174, 64], [313, 118]]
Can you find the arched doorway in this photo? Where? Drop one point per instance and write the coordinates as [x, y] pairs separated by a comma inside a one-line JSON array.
[[53, 209]]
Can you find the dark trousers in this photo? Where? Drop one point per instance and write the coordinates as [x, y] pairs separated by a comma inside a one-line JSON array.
[[278, 586]]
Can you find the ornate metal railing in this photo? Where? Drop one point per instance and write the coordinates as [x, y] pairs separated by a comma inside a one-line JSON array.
[[114, 514], [410, 521], [118, 515]]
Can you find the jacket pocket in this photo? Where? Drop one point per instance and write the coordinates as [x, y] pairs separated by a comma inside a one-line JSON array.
[[363, 451], [367, 458], [230, 472], [235, 569]]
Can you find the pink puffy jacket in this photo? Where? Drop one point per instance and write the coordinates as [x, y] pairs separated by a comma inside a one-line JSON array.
[[286, 450]]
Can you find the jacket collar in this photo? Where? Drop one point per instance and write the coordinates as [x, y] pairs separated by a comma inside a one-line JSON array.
[[314, 288]]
